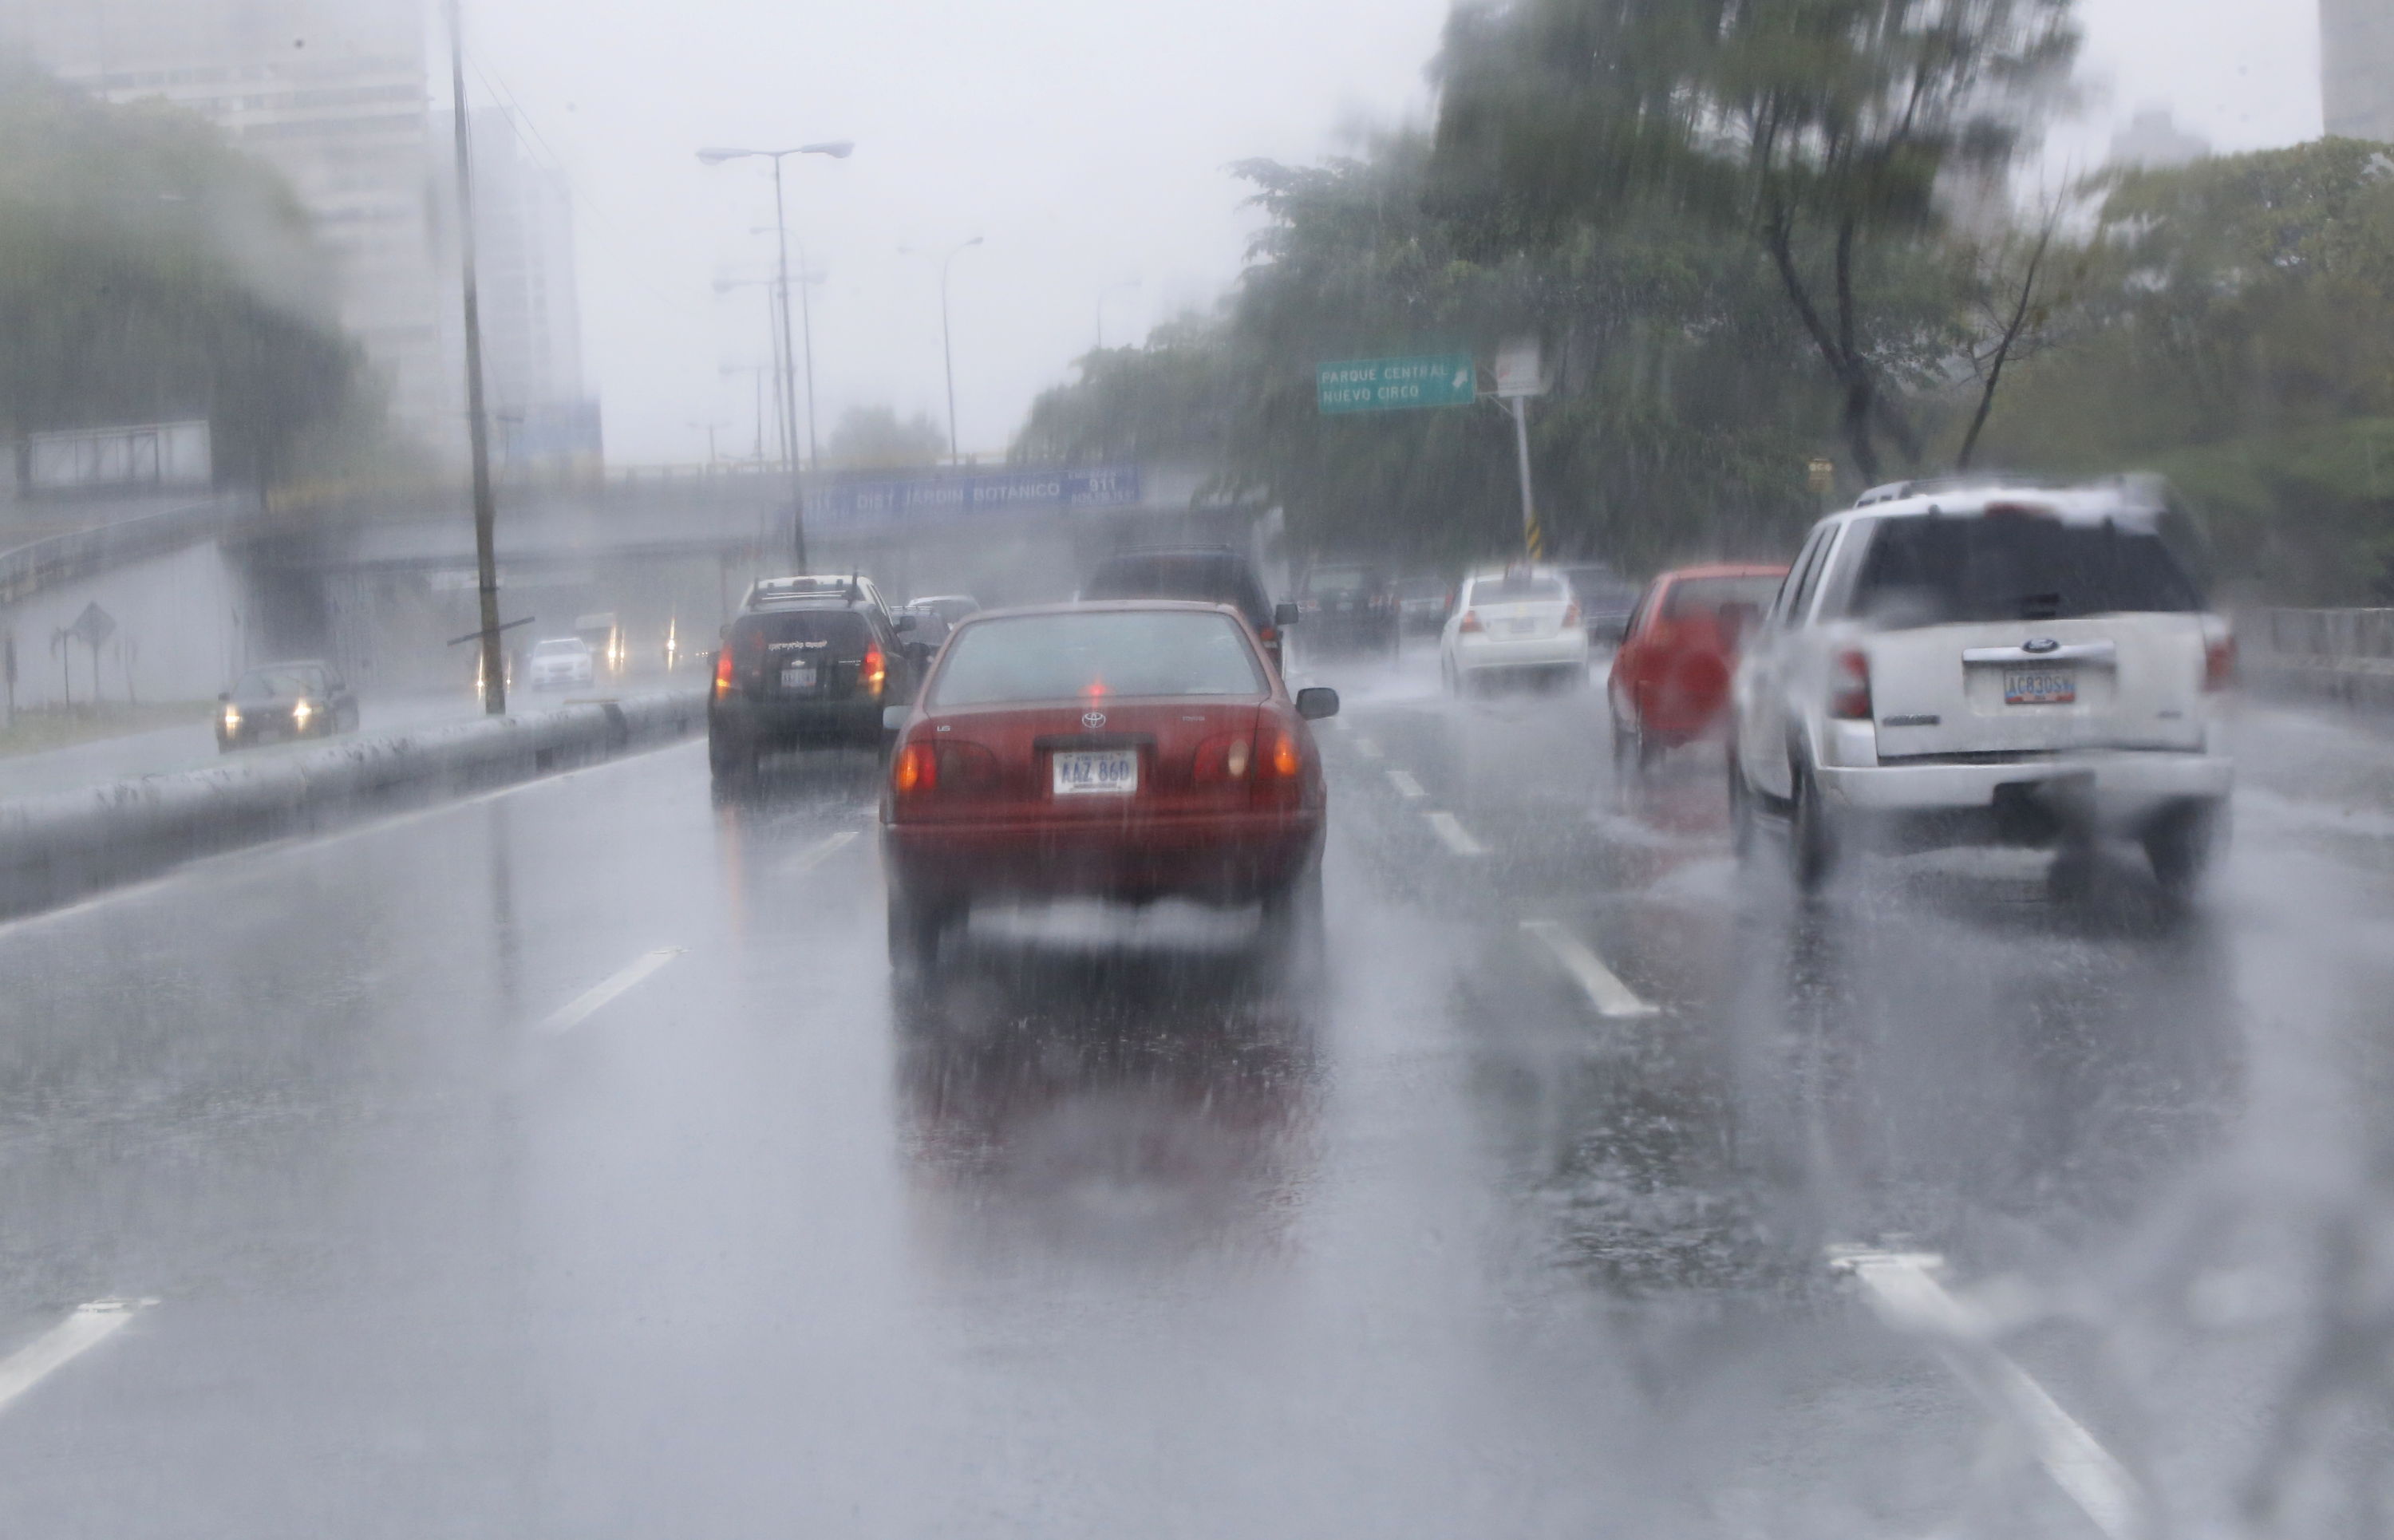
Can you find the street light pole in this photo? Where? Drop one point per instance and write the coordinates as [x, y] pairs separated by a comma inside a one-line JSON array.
[[486, 559], [838, 150], [947, 344]]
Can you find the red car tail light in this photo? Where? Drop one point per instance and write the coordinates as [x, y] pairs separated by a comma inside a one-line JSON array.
[[873, 671], [916, 774], [723, 670], [1225, 757], [1280, 769], [1849, 688], [1571, 616], [2219, 662], [1470, 621]]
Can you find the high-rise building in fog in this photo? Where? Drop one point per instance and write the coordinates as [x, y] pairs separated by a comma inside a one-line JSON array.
[[336, 96], [2357, 68]]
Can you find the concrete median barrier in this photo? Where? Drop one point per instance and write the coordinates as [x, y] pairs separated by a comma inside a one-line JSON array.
[[59, 846]]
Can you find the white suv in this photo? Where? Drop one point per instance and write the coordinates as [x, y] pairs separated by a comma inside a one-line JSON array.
[[1987, 662]]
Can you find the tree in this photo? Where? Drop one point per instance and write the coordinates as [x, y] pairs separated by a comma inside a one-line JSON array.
[[872, 438], [1826, 130], [149, 271]]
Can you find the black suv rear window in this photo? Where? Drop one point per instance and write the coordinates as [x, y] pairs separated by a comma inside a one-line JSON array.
[[1934, 569], [841, 633]]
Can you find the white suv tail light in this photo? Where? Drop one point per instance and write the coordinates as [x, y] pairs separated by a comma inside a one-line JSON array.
[[1849, 687]]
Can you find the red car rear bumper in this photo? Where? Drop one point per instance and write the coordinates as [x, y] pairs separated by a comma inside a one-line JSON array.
[[1217, 858]]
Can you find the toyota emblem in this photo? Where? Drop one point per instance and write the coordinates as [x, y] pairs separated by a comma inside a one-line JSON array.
[[1093, 719], [2040, 645]]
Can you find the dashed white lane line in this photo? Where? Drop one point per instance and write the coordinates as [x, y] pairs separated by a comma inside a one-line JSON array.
[[1602, 986], [86, 1328], [1367, 748], [1406, 785], [1457, 837], [816, 855], [1905, 1293], [590, 1001]]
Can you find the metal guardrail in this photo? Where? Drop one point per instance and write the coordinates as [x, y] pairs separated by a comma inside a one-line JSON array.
[[2345, 654]]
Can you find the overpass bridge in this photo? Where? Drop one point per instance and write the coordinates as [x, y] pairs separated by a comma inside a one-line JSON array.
[[381, 579]]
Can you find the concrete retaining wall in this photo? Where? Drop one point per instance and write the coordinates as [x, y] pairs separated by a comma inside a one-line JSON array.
[[60, 846], [2343, 655]]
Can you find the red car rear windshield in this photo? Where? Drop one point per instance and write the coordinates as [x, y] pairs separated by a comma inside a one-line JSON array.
[[1097, 654], [1705, 596]]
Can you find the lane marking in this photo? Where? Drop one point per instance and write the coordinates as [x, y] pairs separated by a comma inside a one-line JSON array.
[[590, 1001], [1457, 837], [816, 855], [1602, 986], [1905, 1292], [1367, 748], [1406, 785], [89, 1326]]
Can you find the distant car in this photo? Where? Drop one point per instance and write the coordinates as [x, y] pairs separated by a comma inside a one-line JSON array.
[[1129, 751], [1422, 602], [931, 627], [1348, 604], [1987, 662], [810, 662], [952, 607], [560, 662], [284, 700], [1669, 684], [1204, 575], [1605, 601], [1518, 621]]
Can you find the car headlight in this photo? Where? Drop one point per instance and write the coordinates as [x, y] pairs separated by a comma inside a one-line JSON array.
[[300, 712], [232, 718]]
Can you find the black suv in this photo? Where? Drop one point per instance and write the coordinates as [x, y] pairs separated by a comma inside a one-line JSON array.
[[810, 662], [1348, 604], [1209, 574]]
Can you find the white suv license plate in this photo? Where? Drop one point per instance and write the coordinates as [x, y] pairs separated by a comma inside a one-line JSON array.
[[2040, 687], [1096, 773], [799, 675]]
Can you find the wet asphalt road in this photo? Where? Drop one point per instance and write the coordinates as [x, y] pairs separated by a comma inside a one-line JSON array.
[[561, 1163]]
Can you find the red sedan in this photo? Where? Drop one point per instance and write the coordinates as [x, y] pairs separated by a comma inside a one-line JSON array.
[[1670, 678], [1129, 751]]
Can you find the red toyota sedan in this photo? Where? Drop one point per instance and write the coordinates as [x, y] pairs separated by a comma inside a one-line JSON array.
[[1670, 678], [1129, 751]]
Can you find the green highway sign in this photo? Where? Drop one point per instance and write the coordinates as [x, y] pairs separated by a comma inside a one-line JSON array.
[[1395, 384]]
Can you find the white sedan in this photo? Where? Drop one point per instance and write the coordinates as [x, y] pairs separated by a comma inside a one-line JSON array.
[[560, 663], [1521, 620]]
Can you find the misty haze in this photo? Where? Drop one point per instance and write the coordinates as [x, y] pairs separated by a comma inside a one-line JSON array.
[[1223, 768]]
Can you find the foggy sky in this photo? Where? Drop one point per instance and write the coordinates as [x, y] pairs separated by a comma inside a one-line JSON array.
[[1086, 141]]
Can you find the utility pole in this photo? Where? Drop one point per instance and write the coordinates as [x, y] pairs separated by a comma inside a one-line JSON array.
[[947, 347], [486, 557]]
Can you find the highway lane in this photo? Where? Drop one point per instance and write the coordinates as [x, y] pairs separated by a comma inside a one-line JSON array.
[[561, 1163]]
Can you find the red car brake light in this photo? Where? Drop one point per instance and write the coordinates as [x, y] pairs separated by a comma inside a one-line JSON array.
[[1850, 688], [873, 671], [723, 670], [2219, 662], [1279, 769], [1470, 621], [1571, 615], [942, 770]]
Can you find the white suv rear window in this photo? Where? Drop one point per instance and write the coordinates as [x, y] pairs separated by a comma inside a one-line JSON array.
[[1938, 570]]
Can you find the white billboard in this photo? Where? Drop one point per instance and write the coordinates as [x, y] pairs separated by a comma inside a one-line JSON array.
[[148, 455]]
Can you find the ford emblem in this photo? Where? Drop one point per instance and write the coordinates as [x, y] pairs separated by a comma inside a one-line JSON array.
[[1093, 719], [2039, 645]]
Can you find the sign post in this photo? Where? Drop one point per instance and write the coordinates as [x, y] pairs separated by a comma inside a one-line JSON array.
[[1517, 378], [1395, 384]]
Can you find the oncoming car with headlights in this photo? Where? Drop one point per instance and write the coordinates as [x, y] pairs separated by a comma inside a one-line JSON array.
[[1129, 751], [284, 700]]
